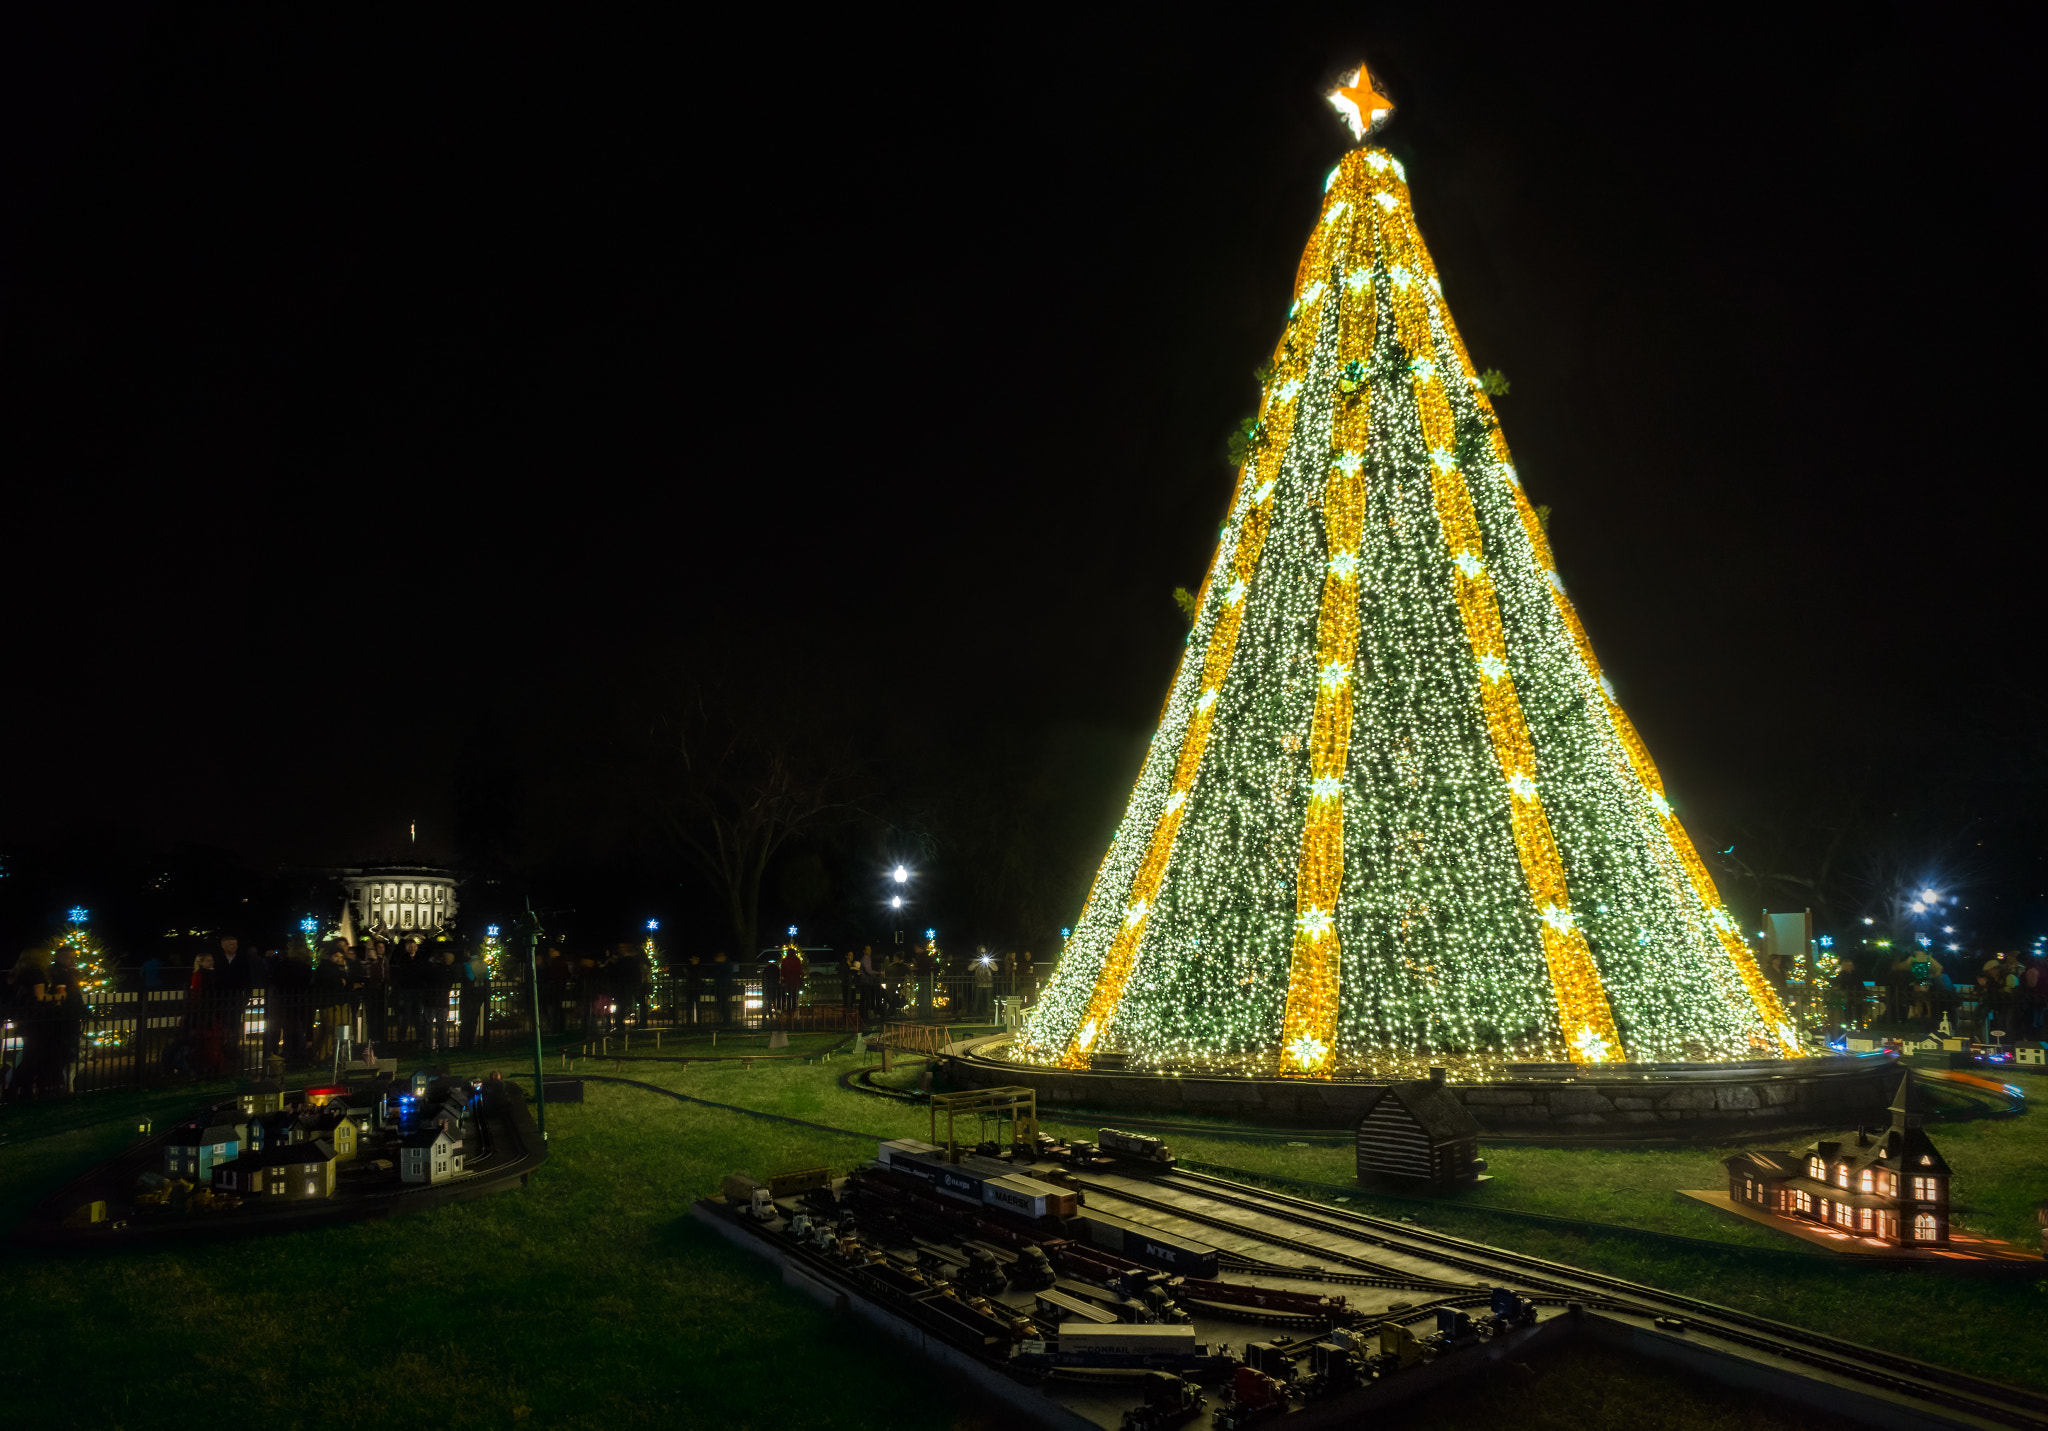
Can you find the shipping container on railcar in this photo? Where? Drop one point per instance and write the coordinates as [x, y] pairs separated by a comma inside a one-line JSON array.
[[1129, 1338], [1150, 1246], [1028, 1197]]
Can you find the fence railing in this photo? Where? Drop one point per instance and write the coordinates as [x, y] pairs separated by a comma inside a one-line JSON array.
[[143, 1037]]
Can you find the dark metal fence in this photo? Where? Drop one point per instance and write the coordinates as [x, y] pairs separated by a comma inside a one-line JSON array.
[[145, 1037]]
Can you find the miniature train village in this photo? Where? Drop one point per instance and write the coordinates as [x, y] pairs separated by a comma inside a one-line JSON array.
[[1097, 1283], [272, 1158]]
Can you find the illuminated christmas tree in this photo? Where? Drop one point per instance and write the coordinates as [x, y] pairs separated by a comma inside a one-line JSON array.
[[1392, 814]]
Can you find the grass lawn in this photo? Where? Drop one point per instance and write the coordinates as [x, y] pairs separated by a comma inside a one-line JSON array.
[[590, 1298]]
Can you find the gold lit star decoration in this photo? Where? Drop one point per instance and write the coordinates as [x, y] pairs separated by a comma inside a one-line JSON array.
[[1360, 103]]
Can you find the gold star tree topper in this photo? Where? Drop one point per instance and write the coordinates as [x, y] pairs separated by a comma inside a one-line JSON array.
[[1360, 103]]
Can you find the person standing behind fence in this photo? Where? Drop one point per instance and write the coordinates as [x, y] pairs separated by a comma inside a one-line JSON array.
[[984, 984], [437, 987], [628, 970], [28, 990], [206, 1017], [722, 986], [790, 974], [554, 987], [67, 1013], [2033, 998], [374, 980], [864, 978], [289, 1007], [239, 973], [925, 969], [412, 975], [330, 999], [474, 981]]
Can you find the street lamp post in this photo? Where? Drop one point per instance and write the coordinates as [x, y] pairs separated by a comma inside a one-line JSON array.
[[900, 880]]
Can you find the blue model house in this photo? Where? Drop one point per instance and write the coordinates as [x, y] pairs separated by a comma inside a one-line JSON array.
[[192, 1151]]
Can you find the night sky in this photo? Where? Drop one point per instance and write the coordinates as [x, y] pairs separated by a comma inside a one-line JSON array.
[[394, 400]]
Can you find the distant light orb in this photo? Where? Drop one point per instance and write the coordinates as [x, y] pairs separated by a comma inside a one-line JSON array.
[[896, 903], [900, 874], [1930, 895]]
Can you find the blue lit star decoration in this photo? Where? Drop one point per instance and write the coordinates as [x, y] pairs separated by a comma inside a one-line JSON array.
[[491, 931], [309, 924], [792, 931], [78, 914], [655, 924], [1827, 941], [931, 934]]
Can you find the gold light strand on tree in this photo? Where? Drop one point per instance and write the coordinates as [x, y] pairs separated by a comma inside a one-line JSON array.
[[1278, 410], [1308, 1036], [1586, 1019], [1777, 1026]]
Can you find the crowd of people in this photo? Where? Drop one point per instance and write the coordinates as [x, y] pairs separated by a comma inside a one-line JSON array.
[[2002, 998], [46, 1005], [435, 994]]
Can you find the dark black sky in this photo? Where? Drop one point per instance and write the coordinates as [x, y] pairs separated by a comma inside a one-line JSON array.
[[366, 371]]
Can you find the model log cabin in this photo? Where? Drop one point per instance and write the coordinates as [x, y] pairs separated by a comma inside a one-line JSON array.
[[1889, 1184], [1419, 1132]]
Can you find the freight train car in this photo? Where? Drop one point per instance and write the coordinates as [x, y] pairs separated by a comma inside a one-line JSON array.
[[986, 1182], [1028, 1197], [1150, 1246], [1135, 1145]]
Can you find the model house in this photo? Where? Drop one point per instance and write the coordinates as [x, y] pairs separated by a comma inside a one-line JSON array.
[[270, 1130], [261, 1096], [335, 1126], [1419, 1131], [283, 1170], [1887, 1183], [429, 1155], [193, 1150]]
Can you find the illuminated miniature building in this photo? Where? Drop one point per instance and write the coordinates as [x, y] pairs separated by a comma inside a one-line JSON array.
[[1889, 1183], [429, 1156], [284, 1170], [261, 1096], [336, 1127], [194, 1150], [273, 1130], [401, 899], [1419, 1131], [365, 1104]]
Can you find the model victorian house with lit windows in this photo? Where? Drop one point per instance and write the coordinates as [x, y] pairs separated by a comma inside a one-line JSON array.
[[1888, 1184]]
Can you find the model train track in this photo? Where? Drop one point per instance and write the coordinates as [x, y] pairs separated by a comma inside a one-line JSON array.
[[2013, 1406], [1369, 1274]]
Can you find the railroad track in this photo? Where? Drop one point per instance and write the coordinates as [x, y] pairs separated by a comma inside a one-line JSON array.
[[2006, 1405]]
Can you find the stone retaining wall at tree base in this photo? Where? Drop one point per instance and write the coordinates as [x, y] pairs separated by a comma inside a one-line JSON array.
[[1831, 1092]]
